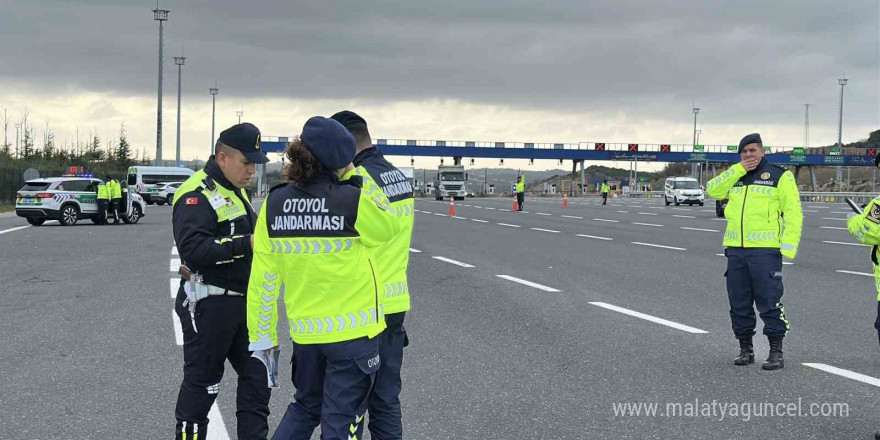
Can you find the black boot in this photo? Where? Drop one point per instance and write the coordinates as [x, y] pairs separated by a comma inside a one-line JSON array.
[[746, 352], [877, 435], [774, 360]]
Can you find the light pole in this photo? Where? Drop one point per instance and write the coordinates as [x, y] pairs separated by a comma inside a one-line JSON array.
[[842, 82], [806, 126], [17, 127], [160, 15], [239, 114], [179, 61], [694, 166], [213, 91]]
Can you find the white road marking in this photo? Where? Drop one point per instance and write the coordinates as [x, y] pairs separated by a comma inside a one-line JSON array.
[[808, 210], [508, 225], [544, 230], [655, 207], [654, 319], [15, 229], [527, 283], [174, 264], [451, 261], [218, 428], [415, 251], [707, 210], [441, 215], [845, 243], [478, 207], [460, 218], [658, 246], [683, 216], [840, 212], [606, 220], [174, 250], [845, 373], [573, 216], [178, 329], [174, 284], [855, 273], [648, 224], [720, 219], [542, 213], [699, 229], [479, 221], [720, 255], [646, 213], [489, 207], [593, 236], [834, 227], [682, 209], [623, 212], [833, 218]]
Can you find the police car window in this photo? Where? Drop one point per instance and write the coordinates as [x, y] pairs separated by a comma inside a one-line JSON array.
[[35, 186], [92, 186], [75, 185], [687, 184], [132, 179], [152, 179]]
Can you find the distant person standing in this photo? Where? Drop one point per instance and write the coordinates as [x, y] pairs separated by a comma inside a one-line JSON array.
[[115, 200], [865, 227], [520, 191], [605, 190], [103, 202]]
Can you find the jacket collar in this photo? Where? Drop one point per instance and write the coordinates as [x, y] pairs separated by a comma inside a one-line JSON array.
[[215, 173], [369, 152]]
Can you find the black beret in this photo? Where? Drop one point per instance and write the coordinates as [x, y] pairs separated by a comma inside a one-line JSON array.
[[245, 138], [348, 119], [329, 141], [753, 138]]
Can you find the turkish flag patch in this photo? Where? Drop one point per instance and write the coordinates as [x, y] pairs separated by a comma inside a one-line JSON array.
[[192, 200]]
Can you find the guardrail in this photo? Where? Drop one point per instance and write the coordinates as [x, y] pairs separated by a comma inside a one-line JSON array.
[[645, 194], [837, 197]]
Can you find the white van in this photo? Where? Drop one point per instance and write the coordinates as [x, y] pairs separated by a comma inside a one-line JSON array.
[[144, 180], [680, 190]]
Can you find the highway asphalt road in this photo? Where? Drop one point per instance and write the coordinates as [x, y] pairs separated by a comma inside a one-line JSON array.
[[534, 324]]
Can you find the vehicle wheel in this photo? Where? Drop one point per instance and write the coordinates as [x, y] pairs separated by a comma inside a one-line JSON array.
[[701, 203], [676, 202], [36, 221], [438, 198], [134, 216], [94, 219], [69, 215], [666, 199], [149, 202], [719, 209]]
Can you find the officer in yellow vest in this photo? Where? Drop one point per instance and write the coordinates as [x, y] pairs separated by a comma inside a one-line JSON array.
[[764, 221], [116, 200], [521, 191], [605, 190], [391, 261], [103, 202], [213, 222], [865, 227], [315, 237]]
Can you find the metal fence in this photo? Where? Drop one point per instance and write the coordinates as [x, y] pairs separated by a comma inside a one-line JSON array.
[[12, 179], [806, 196]]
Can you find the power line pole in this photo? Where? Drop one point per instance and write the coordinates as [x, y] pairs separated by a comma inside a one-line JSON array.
[[239, 114], [694, 165], [160, 15], [179, 61], [806, 126], [213, 91], [842, 82]]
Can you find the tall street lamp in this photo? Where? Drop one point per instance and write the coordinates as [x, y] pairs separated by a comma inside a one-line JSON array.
[[160, 15], [179, 61], [213, 91]]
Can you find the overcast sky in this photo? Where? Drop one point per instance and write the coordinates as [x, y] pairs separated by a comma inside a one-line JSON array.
[[523, 71]]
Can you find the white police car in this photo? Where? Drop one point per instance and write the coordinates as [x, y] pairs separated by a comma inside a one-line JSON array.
[[68, 199], [164, 192]]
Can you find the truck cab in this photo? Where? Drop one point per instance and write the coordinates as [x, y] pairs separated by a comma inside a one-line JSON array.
[[450, 182]]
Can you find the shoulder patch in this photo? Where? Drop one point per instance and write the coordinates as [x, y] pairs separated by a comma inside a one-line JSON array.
[[192, 200], [874, 214]]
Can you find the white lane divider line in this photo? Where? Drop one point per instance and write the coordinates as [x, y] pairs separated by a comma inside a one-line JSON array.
[[218, 428], [707, 210], [682, 209], [648, 224], [683, 216], [14, 229], [573, 216], [174, 250], [720, 255], [808, 210], [490, 208], [834, 227], [845, 243], [508, 225], [699, 229], [178, 329], [658, 246], [441, 215], [834, 218], [840, 212], [478, 207], [646, 213], [528, 283], [655, 207], [174, 264], [653, 319], [855, 273], [720, 219], [593, 236], [542, 213], [451, 261], [819, 207], [845, 373], [623, 212], [415, 251], [460, 218], [605, 220], [544, 230], [479, 221], [174, 284]]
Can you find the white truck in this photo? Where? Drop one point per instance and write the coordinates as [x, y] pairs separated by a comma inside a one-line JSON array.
[[450, 182]]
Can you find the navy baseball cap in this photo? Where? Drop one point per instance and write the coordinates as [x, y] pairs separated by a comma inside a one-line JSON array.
[[245, 138], [753, 138], [349, 119], [330, 142]]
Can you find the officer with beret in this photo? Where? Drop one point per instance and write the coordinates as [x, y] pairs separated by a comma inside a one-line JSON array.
[[764, 222], [315, 236], [865, 227], [213, 222], [392, 261]]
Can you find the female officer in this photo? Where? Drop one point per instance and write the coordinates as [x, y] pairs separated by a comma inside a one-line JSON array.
[[311, 243]]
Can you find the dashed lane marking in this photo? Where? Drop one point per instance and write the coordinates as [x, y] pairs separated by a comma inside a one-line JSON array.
[[508, 225], [479, 221], [451, 261], [855, 273], [648, 224], [174, 250], [174, 264], [174, 284], [178, 329], [573, 216], [845, 243], [593, 236], [834, 218], [459, 218], [528, 283], [699, 229], [845, 373], [606, 220], [646, 213], [650, 318], [683, 216], [415, 251], [658, 246], [834, 227], [544, 230], [14, 229], [623, 212], [542, 213]]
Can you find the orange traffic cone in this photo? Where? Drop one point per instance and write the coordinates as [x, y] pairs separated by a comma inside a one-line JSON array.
[[452, 207], [564, 201]]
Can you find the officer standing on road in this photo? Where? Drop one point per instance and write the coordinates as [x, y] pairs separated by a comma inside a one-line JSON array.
[[764, 222], [315, 237], [605, 189], [391, 262], [521, 191], [103, 201], [213, 222], [865, 227], [116, 200]]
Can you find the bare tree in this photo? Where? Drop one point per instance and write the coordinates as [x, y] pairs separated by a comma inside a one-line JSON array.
[[27, 140], [48, 142], [4, 121]]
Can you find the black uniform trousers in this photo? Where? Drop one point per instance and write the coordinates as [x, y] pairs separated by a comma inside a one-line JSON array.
[[116, 209], [220, 333], [604, 198], [754, 280], [520, 199], [384, 408], [333, 384], [102, 211]]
